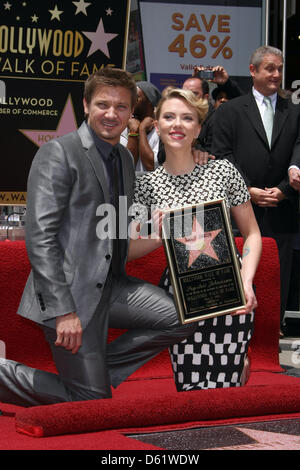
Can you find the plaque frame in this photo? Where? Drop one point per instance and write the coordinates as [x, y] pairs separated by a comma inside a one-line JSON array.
[[220, 288]]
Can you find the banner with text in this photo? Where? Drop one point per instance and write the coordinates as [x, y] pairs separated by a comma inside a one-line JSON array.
[[194, 33], [47, 50]]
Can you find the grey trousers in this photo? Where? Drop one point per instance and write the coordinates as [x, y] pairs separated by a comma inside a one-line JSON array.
[[148, 313]]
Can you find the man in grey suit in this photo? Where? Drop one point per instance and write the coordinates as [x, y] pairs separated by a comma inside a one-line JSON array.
[[78, 287]]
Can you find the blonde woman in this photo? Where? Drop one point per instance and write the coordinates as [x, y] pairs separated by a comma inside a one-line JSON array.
[[215, 354]]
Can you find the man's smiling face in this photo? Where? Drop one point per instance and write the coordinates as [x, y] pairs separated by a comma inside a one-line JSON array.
[[108, 112], [268, 76]]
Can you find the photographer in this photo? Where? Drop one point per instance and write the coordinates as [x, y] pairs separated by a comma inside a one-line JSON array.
[[198, 84]]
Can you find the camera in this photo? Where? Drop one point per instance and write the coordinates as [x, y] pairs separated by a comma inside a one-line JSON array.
[[206, 74]]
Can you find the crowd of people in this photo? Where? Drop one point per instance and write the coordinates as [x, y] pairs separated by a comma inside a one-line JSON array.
[[165, 150]]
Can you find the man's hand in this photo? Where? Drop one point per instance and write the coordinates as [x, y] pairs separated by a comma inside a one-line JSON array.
[[133, 125], [268, 197], [69, 332], [201, 157], [220, 75], [276, 193], [147, 124], [294, 176]]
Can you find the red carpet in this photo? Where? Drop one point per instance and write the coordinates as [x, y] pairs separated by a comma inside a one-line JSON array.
[[105, 440], [162, 408], [148, 400]]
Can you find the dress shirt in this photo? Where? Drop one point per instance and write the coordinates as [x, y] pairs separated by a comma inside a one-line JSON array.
[[261, 106], [104, 149], [153, 140], [259, 98]]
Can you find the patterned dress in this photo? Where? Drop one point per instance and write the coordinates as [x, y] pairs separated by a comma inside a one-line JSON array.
[[214, 355]]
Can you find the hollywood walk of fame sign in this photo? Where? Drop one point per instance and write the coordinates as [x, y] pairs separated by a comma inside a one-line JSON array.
[[47, 51], [202, 259]]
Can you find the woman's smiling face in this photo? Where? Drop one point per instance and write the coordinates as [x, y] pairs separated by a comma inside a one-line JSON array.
[[178, 123]]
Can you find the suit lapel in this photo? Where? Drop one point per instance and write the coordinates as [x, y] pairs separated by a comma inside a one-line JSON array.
[[98, 165], [128, 179], [126, 173], [254, 116], [281, 114], [93, 156]]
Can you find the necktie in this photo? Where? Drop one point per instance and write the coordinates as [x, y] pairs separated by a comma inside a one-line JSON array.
[[268, 118], [115, 193]]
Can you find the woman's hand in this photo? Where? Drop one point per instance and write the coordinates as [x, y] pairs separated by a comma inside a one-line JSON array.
[[247, 224], [141, 245], [250, 299], [157, 220]]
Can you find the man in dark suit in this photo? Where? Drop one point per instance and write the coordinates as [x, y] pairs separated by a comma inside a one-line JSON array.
[[259, 133], [78, 285], [294, 173], [200, 88]]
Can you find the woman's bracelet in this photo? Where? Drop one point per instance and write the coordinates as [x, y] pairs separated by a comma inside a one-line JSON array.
[[133, 134]]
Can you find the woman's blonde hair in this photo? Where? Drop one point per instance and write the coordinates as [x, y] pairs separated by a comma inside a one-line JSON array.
[[200, 105]]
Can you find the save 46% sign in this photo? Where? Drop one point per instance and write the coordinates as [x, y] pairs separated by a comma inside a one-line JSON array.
[[197, 44]]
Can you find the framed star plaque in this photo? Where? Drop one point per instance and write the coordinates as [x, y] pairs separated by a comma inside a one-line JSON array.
[[203, 264]]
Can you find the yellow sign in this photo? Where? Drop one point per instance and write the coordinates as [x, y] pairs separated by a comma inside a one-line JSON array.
[[12, 198]]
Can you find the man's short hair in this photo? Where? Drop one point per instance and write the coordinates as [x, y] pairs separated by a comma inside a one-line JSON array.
[[259, 54], [109, 76], [204, 84]]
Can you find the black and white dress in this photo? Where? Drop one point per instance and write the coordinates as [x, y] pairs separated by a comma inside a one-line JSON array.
[[214, 355]]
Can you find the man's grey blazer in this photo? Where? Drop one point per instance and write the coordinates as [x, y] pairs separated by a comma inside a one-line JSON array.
[[67, 183]]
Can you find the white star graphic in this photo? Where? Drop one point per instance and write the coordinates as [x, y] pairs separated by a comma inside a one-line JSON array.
[[109, 12], [55, 13], [7, 6], [81, 7], [99, 39], [34, 18]]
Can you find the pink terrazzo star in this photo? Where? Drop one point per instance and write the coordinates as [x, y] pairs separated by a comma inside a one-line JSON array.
[[265, 440], [67, 123], [199, 242]]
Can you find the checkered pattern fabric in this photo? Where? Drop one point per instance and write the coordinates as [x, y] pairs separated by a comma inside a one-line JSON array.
[[213, 357]]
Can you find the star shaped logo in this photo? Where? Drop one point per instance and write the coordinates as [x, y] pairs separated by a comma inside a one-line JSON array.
[[67, 123], [99, 40], [199, 242], [81, 7], [55, 13]]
